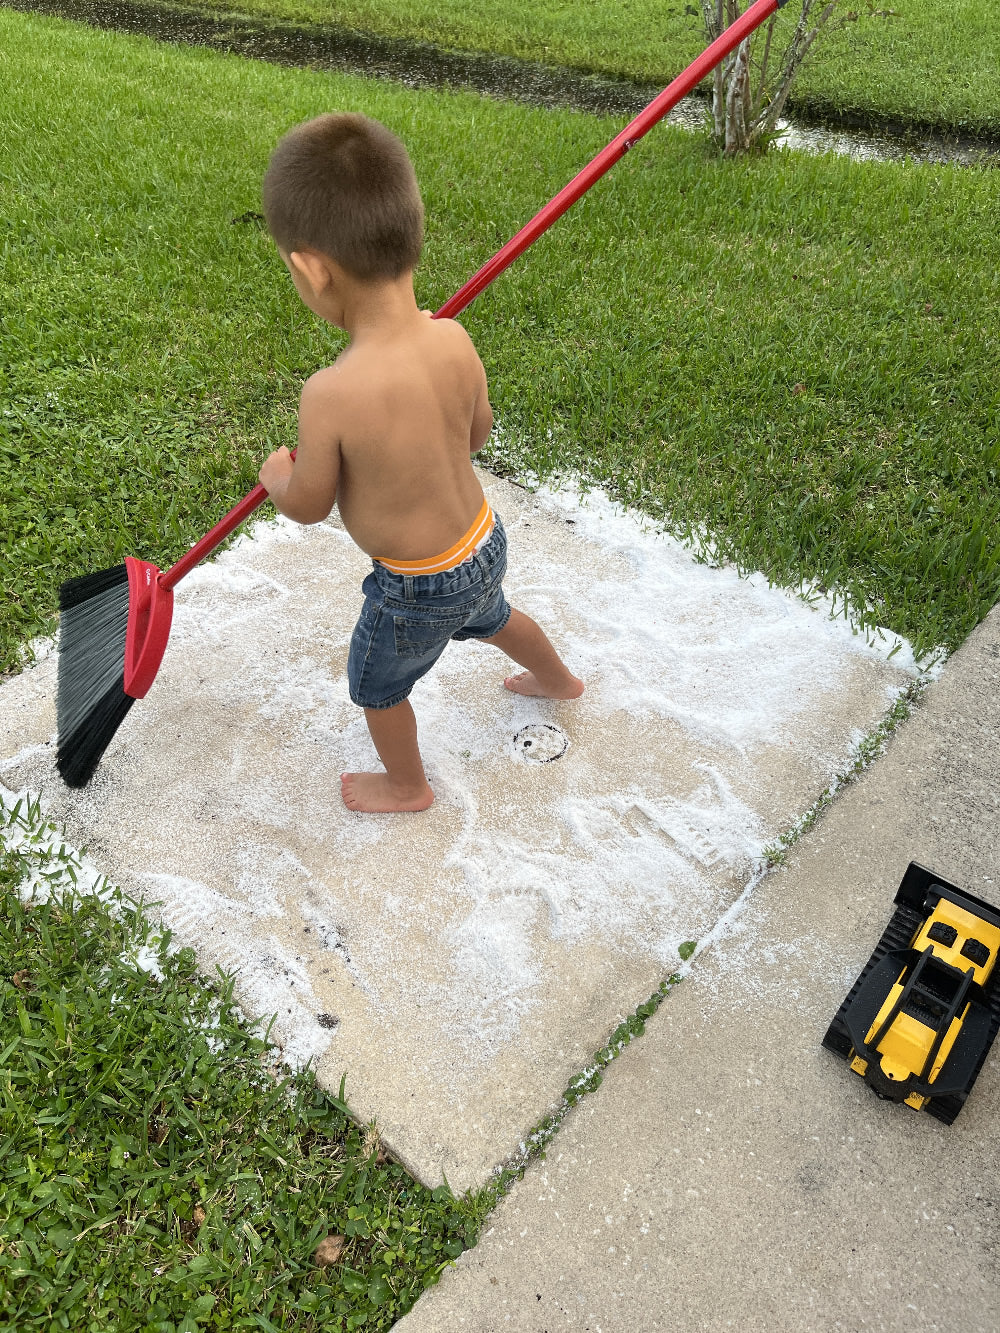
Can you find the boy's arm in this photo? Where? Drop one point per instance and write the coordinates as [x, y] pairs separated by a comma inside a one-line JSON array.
[[482, 417], [305, 488]]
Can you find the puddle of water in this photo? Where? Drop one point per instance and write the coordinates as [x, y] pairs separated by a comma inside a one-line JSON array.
[[861, 145], [864, 146], [420, 65]]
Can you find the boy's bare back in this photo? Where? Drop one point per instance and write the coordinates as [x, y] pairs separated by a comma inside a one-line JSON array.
[[387, 431]]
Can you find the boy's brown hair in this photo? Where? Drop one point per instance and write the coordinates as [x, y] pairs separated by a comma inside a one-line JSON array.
[[344, 185]]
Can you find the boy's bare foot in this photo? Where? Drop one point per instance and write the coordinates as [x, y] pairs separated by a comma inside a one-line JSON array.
[[371, 792], [525, 683]]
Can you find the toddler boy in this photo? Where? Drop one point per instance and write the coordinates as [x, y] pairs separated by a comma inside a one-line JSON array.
[[387, 434]]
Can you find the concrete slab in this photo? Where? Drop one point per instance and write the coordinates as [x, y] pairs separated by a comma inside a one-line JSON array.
[[730, 1173], [461, 965]]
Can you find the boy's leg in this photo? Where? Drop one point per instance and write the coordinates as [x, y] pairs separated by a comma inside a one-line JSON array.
[[403, 785], [547, 674]]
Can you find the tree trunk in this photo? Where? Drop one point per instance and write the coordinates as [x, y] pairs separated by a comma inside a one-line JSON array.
[[745, 117], [738, 102]]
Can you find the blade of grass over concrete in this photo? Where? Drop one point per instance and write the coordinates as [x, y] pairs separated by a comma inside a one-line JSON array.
[[935, 63], [791, 360]]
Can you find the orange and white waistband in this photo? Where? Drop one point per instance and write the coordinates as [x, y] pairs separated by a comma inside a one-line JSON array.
[[464, 549]]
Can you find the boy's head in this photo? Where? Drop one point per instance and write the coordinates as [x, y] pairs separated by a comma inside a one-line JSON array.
[[343, 184]]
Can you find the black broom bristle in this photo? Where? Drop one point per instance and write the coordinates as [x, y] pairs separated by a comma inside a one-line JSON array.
[[91, 702], [80, 752], [88, 586]]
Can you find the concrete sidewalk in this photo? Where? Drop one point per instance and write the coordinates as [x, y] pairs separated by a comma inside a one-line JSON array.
[[732, 1174]]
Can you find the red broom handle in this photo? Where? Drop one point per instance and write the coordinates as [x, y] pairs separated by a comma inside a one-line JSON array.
[[505, 256], [215, 538], [615, 151]]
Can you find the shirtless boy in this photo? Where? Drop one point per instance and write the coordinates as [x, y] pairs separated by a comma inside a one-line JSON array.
[[386, 433]]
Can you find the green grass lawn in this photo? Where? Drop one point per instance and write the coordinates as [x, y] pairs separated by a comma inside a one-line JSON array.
[[936, 62], [797, 354], [155, 1176]]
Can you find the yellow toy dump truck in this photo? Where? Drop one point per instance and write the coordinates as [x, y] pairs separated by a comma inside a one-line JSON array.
[[919, 1021]]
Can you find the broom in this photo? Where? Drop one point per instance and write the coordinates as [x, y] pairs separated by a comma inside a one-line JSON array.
[[114, 624]]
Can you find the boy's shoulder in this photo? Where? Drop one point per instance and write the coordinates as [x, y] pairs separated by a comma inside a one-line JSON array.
[[328, 384], [442, 333], [452, 338], [450, 328], [428, 341], [359, 373]]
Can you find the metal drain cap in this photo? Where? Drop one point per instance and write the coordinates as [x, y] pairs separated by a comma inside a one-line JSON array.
[[540, 743]]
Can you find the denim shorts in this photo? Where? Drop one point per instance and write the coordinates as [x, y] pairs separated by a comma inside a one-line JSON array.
[[408, 620]]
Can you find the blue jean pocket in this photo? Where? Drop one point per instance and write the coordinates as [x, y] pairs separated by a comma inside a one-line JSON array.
[[418, 636]]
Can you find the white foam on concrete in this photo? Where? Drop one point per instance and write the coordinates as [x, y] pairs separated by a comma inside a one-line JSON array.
[[462, 964]]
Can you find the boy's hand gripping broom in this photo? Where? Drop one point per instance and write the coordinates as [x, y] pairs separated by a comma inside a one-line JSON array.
[[114, 624]]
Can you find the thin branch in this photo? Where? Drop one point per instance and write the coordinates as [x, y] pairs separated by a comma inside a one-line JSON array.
[[743, 108], [736, 107], [769, 117], [711, 12], [762, 86], [719, 104]]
